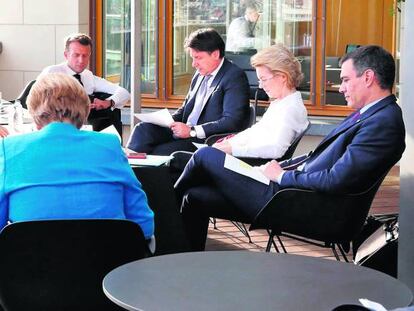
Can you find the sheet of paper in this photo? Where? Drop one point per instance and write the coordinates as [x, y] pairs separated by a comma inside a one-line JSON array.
[[199, 146], [372, 305], [111, 130], [161, 117], [151, 160], [373, 243], [245, 169]]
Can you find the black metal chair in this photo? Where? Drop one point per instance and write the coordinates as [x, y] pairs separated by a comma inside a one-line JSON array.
[[23, 95], [60, 264], [322, 219]]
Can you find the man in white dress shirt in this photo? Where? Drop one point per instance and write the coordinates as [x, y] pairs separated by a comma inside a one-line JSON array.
[[241, 34], [104, 110]]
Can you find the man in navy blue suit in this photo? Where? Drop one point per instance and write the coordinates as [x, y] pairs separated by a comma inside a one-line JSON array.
[[361, 149], [218, 101]]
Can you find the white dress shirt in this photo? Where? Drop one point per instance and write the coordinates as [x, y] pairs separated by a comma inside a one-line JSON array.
[[92, 83], [269, 138]]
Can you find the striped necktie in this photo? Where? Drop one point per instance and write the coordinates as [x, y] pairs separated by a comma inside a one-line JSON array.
[[199, 101]]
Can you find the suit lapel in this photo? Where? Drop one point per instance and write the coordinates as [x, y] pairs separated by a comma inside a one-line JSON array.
[[345, 125], [190, 98], [215, 84]]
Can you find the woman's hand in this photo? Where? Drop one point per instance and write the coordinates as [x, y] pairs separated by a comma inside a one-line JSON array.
[[3, 132]]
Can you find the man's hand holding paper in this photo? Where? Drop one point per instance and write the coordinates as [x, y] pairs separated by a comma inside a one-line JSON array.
[[160, 117], [180, 130], [271, 170]]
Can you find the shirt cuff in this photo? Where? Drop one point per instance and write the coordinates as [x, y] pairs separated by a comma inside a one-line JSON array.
[[200, 131], [279, 178], [237, 150]]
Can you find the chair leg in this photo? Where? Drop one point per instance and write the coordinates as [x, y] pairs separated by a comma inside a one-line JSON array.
[[214, 222], [341, 249], [271, 242], [332, 246], [242, 228], [281, 244]]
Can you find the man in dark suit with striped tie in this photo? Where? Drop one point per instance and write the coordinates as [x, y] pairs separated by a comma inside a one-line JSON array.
[[218, 101], [361, 149]]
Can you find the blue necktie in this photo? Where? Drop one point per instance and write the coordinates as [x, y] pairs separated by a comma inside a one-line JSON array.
[[198, 105], [355, 117]]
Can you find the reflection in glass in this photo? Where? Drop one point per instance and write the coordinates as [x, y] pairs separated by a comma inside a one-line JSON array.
[[117, 34], [347, 27], [286, 21]]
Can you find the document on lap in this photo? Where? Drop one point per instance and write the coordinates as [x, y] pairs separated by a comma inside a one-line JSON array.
[[108, 130], [245, 169], [150, 160], [160, 118], [112, 130]]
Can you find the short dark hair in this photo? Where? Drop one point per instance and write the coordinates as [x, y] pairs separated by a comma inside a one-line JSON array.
[[205, 40], [376, 58], [78, 37]]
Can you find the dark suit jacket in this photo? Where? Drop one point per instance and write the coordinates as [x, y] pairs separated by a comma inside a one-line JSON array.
[[354, 154], [227, 107]]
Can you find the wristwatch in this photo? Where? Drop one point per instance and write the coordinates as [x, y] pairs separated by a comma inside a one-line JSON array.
[[112, 103], [193, 132]]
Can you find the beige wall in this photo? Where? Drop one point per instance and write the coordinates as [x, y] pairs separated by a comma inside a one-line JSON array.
[[32, 33]]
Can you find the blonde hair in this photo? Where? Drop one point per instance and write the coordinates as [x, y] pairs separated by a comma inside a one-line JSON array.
[[58, 97], [278, 58]]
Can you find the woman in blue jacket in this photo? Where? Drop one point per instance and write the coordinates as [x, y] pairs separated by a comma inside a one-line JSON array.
[[61, 172]]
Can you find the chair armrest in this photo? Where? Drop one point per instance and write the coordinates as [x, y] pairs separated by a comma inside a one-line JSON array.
[[213, 138]]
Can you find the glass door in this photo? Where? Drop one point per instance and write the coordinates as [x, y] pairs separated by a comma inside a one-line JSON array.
[[117, 42]]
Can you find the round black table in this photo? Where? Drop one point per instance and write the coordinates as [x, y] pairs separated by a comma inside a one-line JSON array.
[[242, 280]]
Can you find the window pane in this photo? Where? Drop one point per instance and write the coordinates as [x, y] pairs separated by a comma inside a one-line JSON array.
[[117, 56], [348, 26], [246, 26]]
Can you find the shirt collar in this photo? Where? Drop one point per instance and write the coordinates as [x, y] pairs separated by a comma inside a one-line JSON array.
[[365, 108], [69, 71]]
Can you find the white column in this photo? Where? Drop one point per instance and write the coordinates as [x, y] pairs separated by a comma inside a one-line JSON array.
[[406, 220], [135, 59]]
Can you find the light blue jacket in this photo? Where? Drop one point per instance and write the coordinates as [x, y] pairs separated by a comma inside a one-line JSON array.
[[61, 172]]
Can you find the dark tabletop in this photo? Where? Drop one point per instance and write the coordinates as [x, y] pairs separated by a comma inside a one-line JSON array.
[[242, 280]]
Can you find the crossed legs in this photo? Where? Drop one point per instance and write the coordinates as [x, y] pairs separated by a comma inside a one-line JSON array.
[[210, 190]]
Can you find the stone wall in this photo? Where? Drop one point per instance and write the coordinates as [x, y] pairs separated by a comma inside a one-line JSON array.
[[32, 33]]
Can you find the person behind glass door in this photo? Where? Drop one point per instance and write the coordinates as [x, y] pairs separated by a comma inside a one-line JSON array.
[[279, 74], [78, 48], [218, 101], [241, 35], [61, 172]]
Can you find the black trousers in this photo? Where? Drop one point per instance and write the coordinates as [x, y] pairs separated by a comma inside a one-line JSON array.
[[154, 139], [100, 119]]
